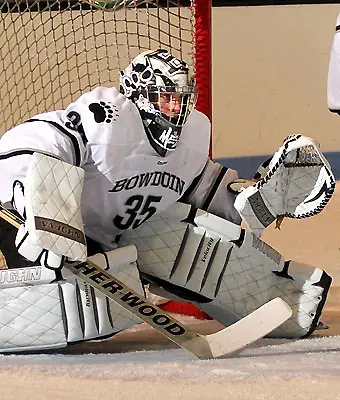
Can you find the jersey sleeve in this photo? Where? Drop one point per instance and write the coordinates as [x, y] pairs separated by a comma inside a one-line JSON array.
[[47, 134], [60, 134], [333, 81], [91, 128], [209, 191], [111, 126]]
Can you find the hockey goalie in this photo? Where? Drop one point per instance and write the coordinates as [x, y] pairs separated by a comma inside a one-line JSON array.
[[130, 167]]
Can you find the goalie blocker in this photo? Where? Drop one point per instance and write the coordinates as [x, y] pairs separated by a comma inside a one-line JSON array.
[[191, 255]]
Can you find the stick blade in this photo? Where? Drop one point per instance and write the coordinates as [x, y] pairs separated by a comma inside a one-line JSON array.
[[254, 326]]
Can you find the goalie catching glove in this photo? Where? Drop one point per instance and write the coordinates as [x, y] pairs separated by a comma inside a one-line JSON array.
[[50, 204], [297, 183]]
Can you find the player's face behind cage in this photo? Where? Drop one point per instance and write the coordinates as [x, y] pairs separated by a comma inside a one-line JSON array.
[[174, 104], [165, 94]]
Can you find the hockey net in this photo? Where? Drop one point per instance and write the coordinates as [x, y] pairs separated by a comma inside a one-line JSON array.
[[52, 51]]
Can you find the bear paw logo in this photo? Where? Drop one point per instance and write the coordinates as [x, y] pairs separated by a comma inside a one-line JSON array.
[[103, 112]]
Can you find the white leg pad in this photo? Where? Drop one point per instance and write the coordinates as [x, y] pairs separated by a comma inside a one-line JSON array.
[[89, 314], [31, 318], [226, 271], [36, 314]]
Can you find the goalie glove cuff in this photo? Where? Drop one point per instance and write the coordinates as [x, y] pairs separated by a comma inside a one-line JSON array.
[[254, 210]]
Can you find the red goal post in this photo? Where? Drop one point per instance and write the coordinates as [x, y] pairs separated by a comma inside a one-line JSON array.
[[54, 50]]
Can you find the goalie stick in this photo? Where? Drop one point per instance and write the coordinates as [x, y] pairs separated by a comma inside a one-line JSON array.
[[220, 344]]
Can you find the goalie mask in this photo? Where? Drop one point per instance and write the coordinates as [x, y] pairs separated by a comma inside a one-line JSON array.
[[163, 91]]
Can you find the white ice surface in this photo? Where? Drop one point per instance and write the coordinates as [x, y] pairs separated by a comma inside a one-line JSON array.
[[152, 357]]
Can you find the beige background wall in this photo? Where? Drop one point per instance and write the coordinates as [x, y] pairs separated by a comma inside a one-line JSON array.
[[269, 77], [269, 80]]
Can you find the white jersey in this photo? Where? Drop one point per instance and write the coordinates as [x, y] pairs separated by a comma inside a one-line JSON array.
[[333, 81], [126, 181]]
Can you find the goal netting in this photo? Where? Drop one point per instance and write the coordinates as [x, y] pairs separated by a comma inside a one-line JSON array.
[[52, 51]]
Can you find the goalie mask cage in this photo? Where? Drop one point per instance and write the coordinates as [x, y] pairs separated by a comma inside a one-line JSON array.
[[52, 51]]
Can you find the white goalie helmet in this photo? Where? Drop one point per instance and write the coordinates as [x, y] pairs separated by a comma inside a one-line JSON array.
[[165, 94]]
